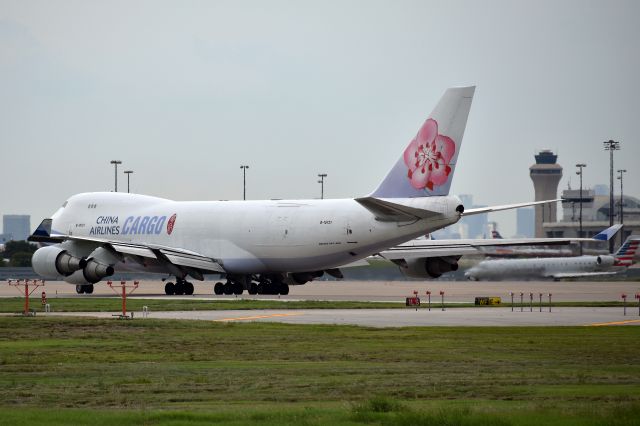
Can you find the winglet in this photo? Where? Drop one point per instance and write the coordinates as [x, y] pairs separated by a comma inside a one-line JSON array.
[[608, 233]]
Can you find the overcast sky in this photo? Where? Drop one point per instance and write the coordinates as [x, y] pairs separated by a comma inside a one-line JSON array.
[[184, 92]]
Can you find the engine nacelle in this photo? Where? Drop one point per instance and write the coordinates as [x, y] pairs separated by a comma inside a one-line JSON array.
[[91, 274], [95, 271], [304, 277], [99, 265], [605, 261], [53, 262], [429, 267]]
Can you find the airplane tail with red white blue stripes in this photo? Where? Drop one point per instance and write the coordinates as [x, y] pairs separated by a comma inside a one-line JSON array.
[[626, 254]]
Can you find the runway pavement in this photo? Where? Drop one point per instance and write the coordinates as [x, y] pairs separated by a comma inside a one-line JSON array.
[[455, 291], [473, 317], [394, 291]]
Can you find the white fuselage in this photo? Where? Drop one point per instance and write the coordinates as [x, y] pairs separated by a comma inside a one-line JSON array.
[[250, 237], [540, 267]]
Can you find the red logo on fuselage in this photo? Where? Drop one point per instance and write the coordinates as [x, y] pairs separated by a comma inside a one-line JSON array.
[[172, 221]]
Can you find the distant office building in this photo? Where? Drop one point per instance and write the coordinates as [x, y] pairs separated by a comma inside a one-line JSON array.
[[525, 222], [17, 225], [601, 189], [595, 215], [467, 200], [476, 225], [571, 205], [546, 175]]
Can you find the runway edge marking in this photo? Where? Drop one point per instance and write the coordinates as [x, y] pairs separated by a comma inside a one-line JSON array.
[[601, 324], [257, 317]]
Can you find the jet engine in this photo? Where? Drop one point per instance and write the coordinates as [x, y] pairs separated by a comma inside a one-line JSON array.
[[98, 265], [54, 261], [429, 267], [304, 277], [605, 261]]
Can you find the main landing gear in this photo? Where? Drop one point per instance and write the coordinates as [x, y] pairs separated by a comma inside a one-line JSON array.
[[180, 287], [272, 284], [87, 288]]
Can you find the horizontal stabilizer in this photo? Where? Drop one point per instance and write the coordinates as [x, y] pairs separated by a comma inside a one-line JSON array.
[[386, 211], [42, 234]]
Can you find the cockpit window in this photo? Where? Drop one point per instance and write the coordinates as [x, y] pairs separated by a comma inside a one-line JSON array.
[[65, 204]]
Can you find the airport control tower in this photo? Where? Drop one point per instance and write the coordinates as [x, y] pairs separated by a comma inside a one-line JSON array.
[[546, 175]]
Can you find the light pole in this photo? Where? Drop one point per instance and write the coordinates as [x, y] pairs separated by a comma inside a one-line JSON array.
[[321, 182], [244, 181], [115, 163], [611, 146], [579, 173], [621, 171], [128, 173]]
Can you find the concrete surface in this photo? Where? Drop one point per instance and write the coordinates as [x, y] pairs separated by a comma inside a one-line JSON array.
[[455, 291], [501, 317]]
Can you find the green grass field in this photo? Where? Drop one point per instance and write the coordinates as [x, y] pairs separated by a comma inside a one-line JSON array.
[[104, 304], [91, 371]]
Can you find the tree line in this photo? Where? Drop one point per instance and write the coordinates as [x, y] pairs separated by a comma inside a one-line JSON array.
[[17, 253]]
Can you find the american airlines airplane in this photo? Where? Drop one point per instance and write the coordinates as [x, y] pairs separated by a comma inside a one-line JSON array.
[[261, 246], [558, 267], [428, 259]]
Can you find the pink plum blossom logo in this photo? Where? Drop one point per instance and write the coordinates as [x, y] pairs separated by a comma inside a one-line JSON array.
[[428, 157]]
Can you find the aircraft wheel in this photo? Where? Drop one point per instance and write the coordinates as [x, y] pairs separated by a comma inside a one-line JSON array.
[[180, 288], [188, 288], [88, 289], [253, 288], [228, 288], [79, 289], [237, 289], [284, 289], [218, 288], [169, 289]]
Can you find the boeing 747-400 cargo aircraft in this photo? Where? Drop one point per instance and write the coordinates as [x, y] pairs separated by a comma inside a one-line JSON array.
[[261, 246]]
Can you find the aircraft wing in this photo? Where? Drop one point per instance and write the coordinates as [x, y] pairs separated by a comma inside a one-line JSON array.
[[171, 257], [179, 257], [439, 248], [580, 274]]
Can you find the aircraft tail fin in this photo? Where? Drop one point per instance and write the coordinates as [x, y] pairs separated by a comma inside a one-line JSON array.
[[428, 162], [625, 256]]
